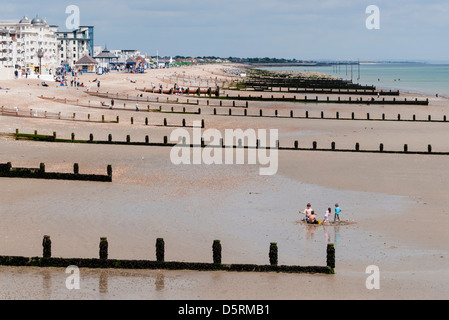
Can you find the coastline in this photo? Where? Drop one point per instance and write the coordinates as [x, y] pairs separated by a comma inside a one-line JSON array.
[[190, 206]]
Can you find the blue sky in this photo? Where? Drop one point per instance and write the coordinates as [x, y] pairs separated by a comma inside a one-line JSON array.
[[304, 29]]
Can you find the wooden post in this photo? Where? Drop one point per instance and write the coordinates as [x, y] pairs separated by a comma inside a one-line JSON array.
[[76, 168], [330, 256], [273, 254], [46, 244], [103, 248], [160, 250], [216, 249]]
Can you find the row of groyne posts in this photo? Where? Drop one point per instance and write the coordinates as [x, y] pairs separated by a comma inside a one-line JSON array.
[[104, 262], [7, 171], [202, 144]]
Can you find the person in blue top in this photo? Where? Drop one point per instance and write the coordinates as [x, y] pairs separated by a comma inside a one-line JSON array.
[[337, 212]]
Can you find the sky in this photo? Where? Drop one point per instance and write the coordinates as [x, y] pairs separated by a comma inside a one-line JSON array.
[[414, 30]]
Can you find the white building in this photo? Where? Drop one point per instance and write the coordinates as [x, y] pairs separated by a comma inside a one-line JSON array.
[[73, 45], [20, 42], [124, 55]]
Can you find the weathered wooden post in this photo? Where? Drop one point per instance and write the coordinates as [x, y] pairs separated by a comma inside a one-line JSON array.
[[405, 148], [314, 145], [160, 250], [330, 256], [147, 139], [273, 254], [91, 137], [103, 248], [132, 120], [333, 145], [128, 138], [109, 170], [429, 148], [76, 168], [381, 147], [46, 244], [296, 144], [357, 146], [216, 250], [73, 136], [42, 167]]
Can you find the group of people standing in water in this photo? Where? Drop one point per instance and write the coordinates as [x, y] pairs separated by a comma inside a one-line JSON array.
[[311, 216]]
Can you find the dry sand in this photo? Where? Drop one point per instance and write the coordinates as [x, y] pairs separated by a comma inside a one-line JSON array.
[[398, 202]]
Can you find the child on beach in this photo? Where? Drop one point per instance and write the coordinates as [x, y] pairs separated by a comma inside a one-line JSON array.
[[337, 212], [327, 215], [307, 212]]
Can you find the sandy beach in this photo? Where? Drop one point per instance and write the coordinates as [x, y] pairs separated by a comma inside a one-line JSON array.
[[397, 202]]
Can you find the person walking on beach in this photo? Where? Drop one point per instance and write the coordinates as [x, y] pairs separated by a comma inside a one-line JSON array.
[[98, 84], [337, 212]]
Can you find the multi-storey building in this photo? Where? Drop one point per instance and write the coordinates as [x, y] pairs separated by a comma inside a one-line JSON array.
[[73, 45], [21, 43]]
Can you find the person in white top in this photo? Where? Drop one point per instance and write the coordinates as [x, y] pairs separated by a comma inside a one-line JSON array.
[[307, 212], [327, 215]]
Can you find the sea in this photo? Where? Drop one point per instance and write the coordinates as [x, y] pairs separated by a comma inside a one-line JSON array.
[[421, 78]]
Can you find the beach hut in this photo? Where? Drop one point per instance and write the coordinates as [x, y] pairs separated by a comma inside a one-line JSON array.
[[86, 64]]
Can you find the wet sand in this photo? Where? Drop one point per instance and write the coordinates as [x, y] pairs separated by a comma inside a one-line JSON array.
[[388, 196]]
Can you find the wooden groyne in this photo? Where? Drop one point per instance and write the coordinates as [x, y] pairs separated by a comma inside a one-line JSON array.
[[103, 261], [366, 92], [222, 145], [7, 171], [316, 99]]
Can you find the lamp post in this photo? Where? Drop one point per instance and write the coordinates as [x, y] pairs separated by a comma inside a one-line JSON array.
[[40, 54]]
